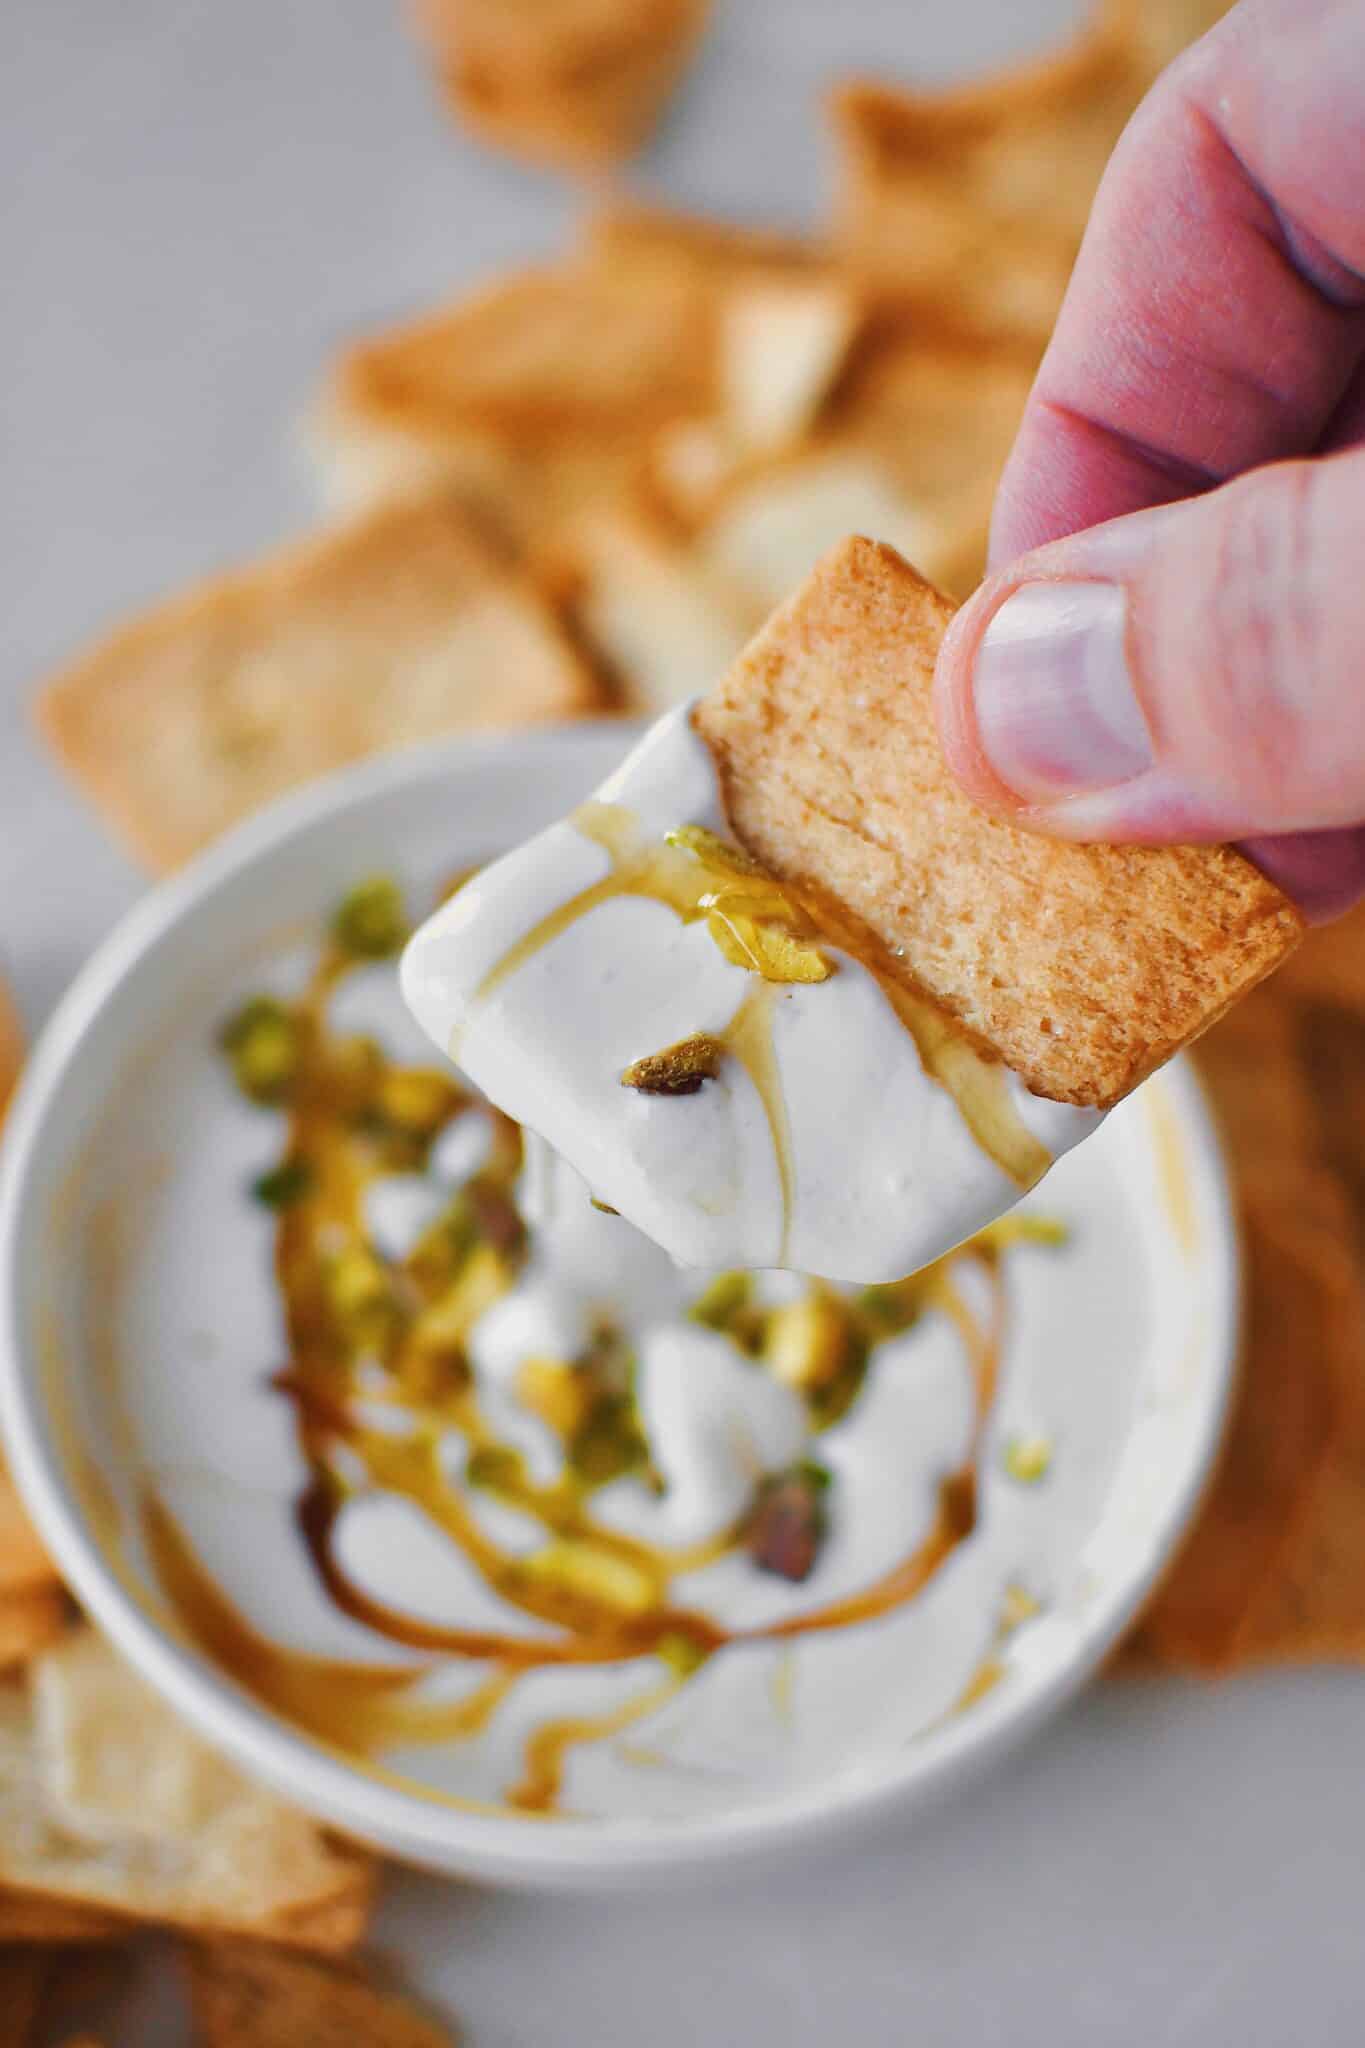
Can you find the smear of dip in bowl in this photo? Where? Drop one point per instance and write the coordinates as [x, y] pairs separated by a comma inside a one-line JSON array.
[[446, 1500]]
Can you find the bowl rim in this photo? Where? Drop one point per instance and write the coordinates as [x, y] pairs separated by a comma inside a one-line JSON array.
[[494, 1843]]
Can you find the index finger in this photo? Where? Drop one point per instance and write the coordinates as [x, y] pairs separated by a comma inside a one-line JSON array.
[[1217, 309]]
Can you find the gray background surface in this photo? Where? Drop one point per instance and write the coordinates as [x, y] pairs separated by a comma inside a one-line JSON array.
[[198, 198]]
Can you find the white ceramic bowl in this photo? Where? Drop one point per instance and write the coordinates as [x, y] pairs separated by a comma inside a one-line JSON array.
[[1150, 1302]]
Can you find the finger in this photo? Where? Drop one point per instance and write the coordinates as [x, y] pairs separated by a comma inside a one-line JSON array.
[[1324, 872], [1191, 672], [1217, 311]]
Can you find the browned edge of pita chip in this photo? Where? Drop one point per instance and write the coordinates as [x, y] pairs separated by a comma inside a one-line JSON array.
[[575, 88], [246, 1995], [1083, 967], [31, 1917]]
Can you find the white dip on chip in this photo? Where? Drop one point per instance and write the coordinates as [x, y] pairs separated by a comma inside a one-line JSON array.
[[808, 1112]]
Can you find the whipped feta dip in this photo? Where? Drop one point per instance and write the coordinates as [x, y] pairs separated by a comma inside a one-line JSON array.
[[838, 1126]]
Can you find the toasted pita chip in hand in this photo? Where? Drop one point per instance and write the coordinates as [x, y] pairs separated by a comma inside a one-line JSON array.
[[1083, 967], [573, 83], [108, 1802], [246, 1996], [401, 627]]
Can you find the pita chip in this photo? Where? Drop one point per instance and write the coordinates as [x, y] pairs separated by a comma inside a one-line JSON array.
[[247, 1996], [400, 627], [1083, 967]]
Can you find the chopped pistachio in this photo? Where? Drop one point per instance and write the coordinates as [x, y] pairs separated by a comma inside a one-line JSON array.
[[722, 1300], [493, 1466], [263, 1042], [417, 1099], [891, 1307], [807, 1343], [681, 1653], [590, 1572], [713, 851], [679, 1069], [370, 922], [790, 1521], [609, 1442], [603, 1208], [1028, 1458], [360, 1293], [765, 948], [285, 1184], [354, 1067]]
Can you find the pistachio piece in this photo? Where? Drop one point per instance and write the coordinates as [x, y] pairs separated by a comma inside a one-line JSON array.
[[589, 1573], [681, 1653], [263, 1043], [608, 1442], [360, 1295], [722, 1300], [370, 922], [285, 1184], [807, 1342], [493, 1466], [417, 1099], [765, 949], [790, 1521], [679, 1069], [1028, 1458], [711, 850]]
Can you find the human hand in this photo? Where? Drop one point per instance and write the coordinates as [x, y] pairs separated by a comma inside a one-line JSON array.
[[1193, 668]]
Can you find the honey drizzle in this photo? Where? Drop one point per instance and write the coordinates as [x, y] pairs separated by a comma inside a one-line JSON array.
[[977, 1081], [364, 1708], [538, 1790], [749, 1037]]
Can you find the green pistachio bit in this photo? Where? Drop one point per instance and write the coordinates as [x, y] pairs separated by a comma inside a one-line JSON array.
[[285, 1184], [680, 1653], [1028, 1459], [713, 851], [370, 923], [891, 1308], [807, 1343], [417, 1099], [679, 1069], [722, 1300], [493, 1466], [360, 1292], [603, 1208], [608, 1442], [262, 1042], [817, 1476]]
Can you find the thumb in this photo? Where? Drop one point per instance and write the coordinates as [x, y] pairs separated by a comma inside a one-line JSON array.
[[1194, 672]]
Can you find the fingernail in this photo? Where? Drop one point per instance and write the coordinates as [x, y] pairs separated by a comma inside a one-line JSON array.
[[1055, 708]]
